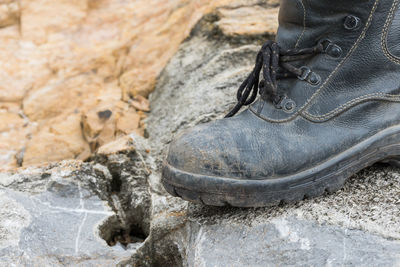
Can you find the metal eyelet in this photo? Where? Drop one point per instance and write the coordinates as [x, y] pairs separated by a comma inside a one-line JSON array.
[[309, 76], [286, 104], [314, 79], [351, 22], [331, 49], [305, 72]]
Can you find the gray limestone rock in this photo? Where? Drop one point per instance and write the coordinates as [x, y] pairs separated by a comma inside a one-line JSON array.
[[52, 219], [76, 214]]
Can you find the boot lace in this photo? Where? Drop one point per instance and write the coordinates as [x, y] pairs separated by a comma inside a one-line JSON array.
[[274, 63]]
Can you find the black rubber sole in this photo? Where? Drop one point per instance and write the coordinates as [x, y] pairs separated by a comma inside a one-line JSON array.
[[328, 176]]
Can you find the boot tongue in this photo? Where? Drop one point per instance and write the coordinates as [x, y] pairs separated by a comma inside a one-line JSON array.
[[291, 23]]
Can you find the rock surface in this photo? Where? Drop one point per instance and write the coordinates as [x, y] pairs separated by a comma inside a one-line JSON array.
[[76, 214], [48, 218]]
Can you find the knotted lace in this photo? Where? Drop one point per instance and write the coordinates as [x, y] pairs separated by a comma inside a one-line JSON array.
[[274, 63]]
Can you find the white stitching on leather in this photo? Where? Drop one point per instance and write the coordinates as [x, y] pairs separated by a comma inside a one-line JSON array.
[[372, 96], [304, 24], [351, 103], [385, 33], [355, 46]]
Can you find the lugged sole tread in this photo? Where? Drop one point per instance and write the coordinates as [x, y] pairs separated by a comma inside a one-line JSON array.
[[220, 201]]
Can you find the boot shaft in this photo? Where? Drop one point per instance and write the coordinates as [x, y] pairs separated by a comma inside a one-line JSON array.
[[301, 22], [364, 68]]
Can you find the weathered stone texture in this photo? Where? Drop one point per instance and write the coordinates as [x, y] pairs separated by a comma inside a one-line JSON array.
[[76, 214]]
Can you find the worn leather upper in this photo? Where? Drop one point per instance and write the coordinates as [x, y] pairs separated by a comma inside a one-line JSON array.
[[359, 95]]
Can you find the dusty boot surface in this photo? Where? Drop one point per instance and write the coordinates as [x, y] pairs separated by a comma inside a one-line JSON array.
[[322, 104]]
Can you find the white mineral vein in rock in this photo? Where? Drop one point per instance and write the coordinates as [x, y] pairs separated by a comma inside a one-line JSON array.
[[81, 206], [78, 210]]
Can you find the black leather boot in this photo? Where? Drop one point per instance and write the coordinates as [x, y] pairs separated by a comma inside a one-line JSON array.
[[328, 105]]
